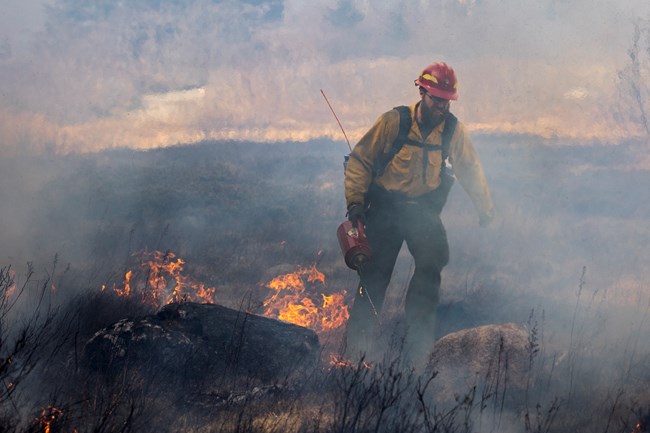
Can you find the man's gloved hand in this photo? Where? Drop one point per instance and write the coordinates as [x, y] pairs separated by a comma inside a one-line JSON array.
[[484, 220], [356, 213]]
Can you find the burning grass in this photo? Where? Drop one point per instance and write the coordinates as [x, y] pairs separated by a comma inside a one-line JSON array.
[[301, 297], [160, 280]]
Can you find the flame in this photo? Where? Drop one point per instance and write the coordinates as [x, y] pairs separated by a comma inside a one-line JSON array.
[[48, 416], [161, 281], [338, 361], [305, 305], [125, 290]]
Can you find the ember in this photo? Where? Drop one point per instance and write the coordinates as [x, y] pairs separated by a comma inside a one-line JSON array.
[[298, 298], [161, 282]]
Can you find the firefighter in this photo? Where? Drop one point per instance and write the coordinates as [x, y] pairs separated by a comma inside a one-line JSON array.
[[396, 183]]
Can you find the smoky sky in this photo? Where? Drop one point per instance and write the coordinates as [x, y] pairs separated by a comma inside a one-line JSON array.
[[80, 76]]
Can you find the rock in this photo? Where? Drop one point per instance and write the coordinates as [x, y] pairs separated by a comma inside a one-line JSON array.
[[491, 355], [200, 341]]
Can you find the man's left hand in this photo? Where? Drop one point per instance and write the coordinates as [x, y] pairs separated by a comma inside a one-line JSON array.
[[356, 214], [485, 219]]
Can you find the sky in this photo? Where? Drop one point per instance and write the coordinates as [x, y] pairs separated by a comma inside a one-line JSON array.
[[79, 76]]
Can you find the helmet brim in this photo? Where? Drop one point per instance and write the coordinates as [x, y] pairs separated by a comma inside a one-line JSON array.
[[450, 95]]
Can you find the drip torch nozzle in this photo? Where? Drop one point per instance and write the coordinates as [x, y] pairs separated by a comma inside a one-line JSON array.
[[359, 261]]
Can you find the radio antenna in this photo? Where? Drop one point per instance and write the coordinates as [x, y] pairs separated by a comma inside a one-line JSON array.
[[337, 119]]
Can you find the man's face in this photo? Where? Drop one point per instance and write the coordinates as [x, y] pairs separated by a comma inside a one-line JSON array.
[[434, 108]]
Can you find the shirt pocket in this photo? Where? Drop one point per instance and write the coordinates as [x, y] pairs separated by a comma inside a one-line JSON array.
[[401, 167]]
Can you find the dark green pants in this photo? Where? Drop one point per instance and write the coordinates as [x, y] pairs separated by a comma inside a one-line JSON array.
[[390, 223]]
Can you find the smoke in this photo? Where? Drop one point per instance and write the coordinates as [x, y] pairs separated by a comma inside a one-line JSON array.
[[111, 75]]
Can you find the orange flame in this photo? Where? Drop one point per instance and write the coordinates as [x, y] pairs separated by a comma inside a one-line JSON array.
[[163, 282], [48, 416], [338, 361], [291, 301], [125, 290]]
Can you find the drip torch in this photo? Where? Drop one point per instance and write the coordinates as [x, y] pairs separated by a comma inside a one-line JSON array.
[[354, 245]]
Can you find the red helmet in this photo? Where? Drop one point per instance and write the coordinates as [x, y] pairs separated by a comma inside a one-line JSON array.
[[439, 79]]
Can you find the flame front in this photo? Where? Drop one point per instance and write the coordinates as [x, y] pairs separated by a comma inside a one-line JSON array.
[[296, 298], [291, 301], [162, 282]]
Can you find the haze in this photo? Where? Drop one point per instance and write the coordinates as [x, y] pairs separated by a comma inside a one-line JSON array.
[[79, 76]]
